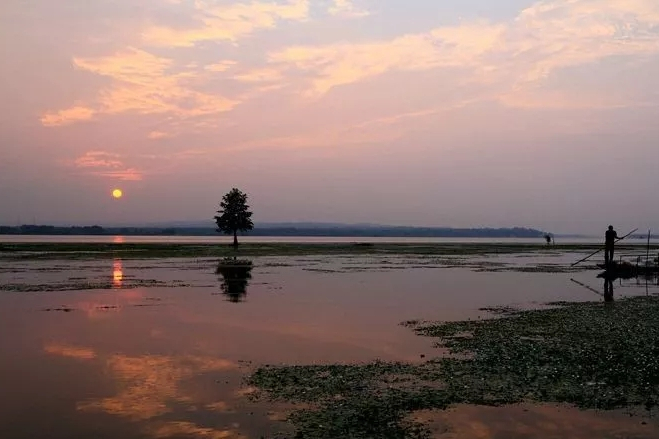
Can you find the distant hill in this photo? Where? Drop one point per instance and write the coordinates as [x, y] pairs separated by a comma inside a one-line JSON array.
[[282, 229]]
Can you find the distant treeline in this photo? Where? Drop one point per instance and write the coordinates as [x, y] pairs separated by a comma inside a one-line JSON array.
[[94, 230], [411, 232], [333, 231]]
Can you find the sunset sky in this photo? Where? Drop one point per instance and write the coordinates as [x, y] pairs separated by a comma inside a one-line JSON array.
[[459, 113]]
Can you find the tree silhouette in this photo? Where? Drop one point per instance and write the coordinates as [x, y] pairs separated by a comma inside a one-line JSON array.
[[234, 215], [236, 275]]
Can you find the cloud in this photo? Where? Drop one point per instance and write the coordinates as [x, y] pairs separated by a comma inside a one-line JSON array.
[[142, 83], [553, 99], [509, 56], [98, 159], [260, 75], [347, 9], [130, 174], [106, 164], [512, 62], [227, 22], [341, 64], [156, 135], [222, 66], [68, 116]]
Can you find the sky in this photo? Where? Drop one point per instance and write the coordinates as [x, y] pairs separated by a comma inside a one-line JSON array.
[[456, 113]]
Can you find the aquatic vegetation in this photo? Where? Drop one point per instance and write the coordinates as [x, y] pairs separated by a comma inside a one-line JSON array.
[[90, 284], [539, 268], [592, 355], [234, 262], [38, 251]]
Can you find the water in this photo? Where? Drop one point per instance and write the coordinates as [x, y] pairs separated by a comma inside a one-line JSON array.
[[158, 348], [291, 240]]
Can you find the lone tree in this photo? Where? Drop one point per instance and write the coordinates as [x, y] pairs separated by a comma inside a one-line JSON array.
[[234, 215]]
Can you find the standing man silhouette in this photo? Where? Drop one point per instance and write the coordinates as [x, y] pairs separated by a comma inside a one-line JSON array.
[[610, 238]]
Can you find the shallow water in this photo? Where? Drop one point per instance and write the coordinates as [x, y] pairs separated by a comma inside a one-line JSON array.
[[293, 239], [157, 348], [544, 421]]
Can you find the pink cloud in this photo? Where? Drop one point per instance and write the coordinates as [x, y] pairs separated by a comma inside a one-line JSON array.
[[106, 164]]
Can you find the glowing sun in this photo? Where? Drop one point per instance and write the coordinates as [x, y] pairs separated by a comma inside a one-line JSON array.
[[117, 193]]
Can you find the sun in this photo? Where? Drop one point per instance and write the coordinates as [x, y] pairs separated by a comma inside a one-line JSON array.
[[117, 193]]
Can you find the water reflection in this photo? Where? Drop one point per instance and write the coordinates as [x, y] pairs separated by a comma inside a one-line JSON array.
[[117, 273], [522, 421], [164, 396], [236, 274], [150, 384], [608, 289], [608, 286]]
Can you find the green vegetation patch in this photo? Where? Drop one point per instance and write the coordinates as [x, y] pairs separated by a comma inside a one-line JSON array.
[[79, 285], [592, 355], [37, 251], [540, 268]]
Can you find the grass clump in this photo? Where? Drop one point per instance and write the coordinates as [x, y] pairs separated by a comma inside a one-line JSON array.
[[592, 355]]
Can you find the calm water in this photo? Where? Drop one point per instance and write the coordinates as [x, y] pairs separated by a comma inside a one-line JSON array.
[[158, 348], [288, 239]]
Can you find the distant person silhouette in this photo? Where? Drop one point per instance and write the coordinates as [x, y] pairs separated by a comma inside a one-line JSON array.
[[610, 238]]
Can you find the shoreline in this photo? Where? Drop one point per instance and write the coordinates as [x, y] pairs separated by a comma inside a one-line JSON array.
[[589, 356]]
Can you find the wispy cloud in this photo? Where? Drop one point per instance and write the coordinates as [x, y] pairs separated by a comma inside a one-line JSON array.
[[155, 135], [227, 22], [130, 174], [347, 8], [222, 66], [107, 164], [262, 75], [142, 83], [68, 116], [98, 159], [341, 64], [514, 55], [511, 62]]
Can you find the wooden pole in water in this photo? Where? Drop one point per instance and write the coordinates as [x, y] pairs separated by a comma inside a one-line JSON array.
[[647, 253], [594, 253]]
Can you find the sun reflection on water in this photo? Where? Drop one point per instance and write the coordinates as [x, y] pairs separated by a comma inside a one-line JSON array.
[[117, 273]]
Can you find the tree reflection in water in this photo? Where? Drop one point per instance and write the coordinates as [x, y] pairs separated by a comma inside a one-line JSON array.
[[236, 274]]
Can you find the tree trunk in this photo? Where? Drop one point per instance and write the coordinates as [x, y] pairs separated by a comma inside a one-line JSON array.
[[235, 239]]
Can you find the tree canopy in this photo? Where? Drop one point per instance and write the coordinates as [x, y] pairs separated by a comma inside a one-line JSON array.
[[234, 215]]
